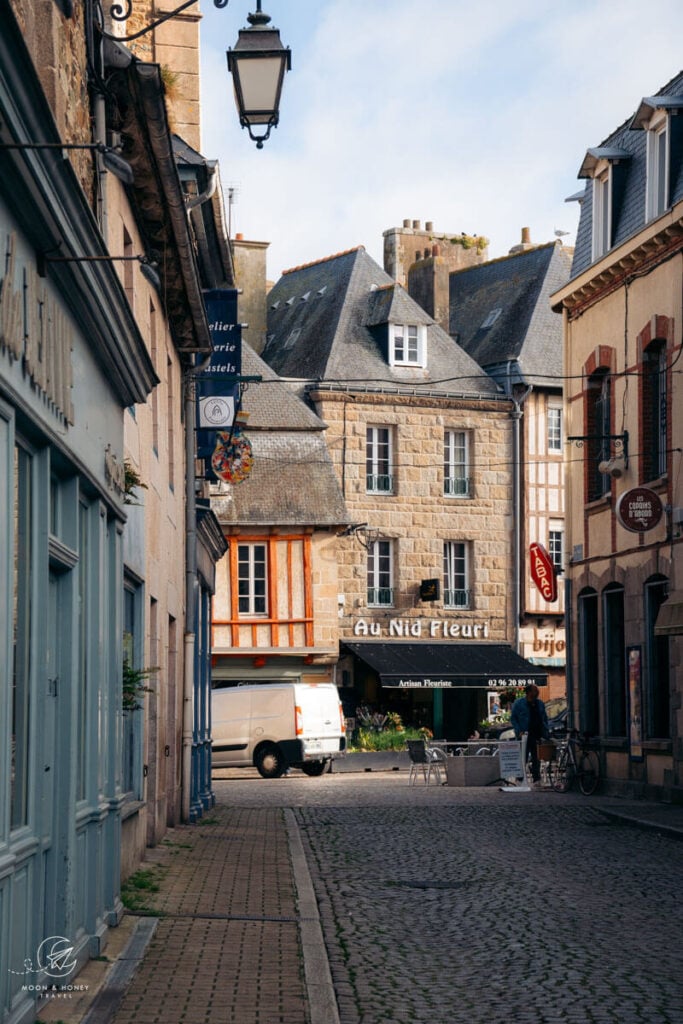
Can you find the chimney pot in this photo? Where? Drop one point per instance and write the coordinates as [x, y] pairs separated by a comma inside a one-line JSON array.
[[239, 236], [406, 223], [429, 225], [526, 236], [416, 225]]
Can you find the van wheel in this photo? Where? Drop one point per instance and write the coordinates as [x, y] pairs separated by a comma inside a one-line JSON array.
[[313, 767], [270, 762]]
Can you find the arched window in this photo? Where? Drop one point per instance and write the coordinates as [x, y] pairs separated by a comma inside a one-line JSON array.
[[615, 659], [654, 410], [589, 705], [657, 681], [598, 422]]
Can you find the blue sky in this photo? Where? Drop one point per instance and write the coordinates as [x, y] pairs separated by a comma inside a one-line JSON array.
[[474, 115]]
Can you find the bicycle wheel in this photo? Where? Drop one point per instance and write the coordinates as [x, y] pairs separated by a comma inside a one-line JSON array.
[[589, 772], [563, 773]]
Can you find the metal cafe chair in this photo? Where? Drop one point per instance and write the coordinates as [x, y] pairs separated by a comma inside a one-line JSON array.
[[424, 760]]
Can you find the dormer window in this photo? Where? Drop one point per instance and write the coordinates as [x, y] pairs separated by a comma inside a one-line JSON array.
[[660, 117], [407, 344], [657, 167], [606, 167]]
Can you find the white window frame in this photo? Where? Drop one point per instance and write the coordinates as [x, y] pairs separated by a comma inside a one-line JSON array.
[[657, 189], [380, 577], [407, 345], [379, 475], [250, 600], [457, 479], [457, 583], [602, 212], [554, 429], [556, 544]]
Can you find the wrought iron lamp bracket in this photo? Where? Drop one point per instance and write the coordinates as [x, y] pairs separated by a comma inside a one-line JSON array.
[[620, 442], [122, 11]]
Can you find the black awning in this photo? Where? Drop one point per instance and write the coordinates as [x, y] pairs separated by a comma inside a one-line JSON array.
[[670, 615], [445, 666]]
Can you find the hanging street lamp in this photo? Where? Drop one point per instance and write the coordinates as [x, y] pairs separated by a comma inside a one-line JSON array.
[[258, 64]]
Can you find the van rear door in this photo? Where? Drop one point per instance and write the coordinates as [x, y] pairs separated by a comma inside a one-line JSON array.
[[319, 721]]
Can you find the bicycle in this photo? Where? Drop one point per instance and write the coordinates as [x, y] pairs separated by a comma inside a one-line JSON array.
[[577, 760]]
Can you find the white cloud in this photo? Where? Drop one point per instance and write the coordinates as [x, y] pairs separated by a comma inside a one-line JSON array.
[[473, 115]]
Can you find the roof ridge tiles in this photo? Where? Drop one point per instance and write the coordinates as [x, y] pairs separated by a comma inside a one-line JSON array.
[[323, 259]]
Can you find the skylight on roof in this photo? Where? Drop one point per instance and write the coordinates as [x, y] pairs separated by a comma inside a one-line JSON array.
[[491, 318]]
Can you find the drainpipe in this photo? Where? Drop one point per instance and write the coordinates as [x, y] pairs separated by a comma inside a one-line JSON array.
[[517, 510], [191, 585]]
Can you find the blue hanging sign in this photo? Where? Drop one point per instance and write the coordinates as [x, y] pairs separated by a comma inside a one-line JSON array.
[[218, 384]]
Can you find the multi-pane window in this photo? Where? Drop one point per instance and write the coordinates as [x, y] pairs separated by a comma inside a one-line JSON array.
[[599, 417], [380, 573], [602, 214], [456, 582], [456, 464], [657, 679], [131, 720], [251, 579], [555, 546], [657, 169], [21, 620], [615, 660], [406, 345], [654, 410], [378, 460], [554, 421]]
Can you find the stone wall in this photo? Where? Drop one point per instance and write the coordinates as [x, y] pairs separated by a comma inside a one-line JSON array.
[[418, 517]]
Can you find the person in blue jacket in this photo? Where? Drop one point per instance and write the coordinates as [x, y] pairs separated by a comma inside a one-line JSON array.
[[529, 716]]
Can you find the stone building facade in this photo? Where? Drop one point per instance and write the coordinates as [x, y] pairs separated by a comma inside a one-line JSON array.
[[622, 327], [420, 440]]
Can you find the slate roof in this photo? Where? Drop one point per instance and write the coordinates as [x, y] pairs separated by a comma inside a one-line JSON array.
[[511, 296], [629, 202], [292, 482], [323, 321]]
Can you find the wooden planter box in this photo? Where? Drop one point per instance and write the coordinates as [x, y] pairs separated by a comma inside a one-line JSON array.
[[472, 771]]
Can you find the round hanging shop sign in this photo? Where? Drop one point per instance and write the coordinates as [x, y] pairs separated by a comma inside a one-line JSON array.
[[639, 509]]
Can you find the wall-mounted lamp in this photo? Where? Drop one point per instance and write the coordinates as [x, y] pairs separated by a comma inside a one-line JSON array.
[[147, 265], [257, 64], [110, 158]]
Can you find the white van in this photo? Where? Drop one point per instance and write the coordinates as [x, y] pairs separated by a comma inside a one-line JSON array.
[[274, 726]]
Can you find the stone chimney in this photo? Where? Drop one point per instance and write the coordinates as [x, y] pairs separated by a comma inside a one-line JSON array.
[[525, 244], [428, 285], [250, 277]]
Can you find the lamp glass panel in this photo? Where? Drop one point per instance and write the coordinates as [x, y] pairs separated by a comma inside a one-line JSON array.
[[260, 80]]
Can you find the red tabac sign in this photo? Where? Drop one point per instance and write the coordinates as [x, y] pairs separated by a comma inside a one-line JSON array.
[[639, 509], [543, 572]]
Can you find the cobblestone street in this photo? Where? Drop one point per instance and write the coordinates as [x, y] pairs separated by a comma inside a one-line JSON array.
[[444, 906]]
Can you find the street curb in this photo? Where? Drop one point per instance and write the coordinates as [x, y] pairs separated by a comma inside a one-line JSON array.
[[641, 823], [115, 985], [318, 977]]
